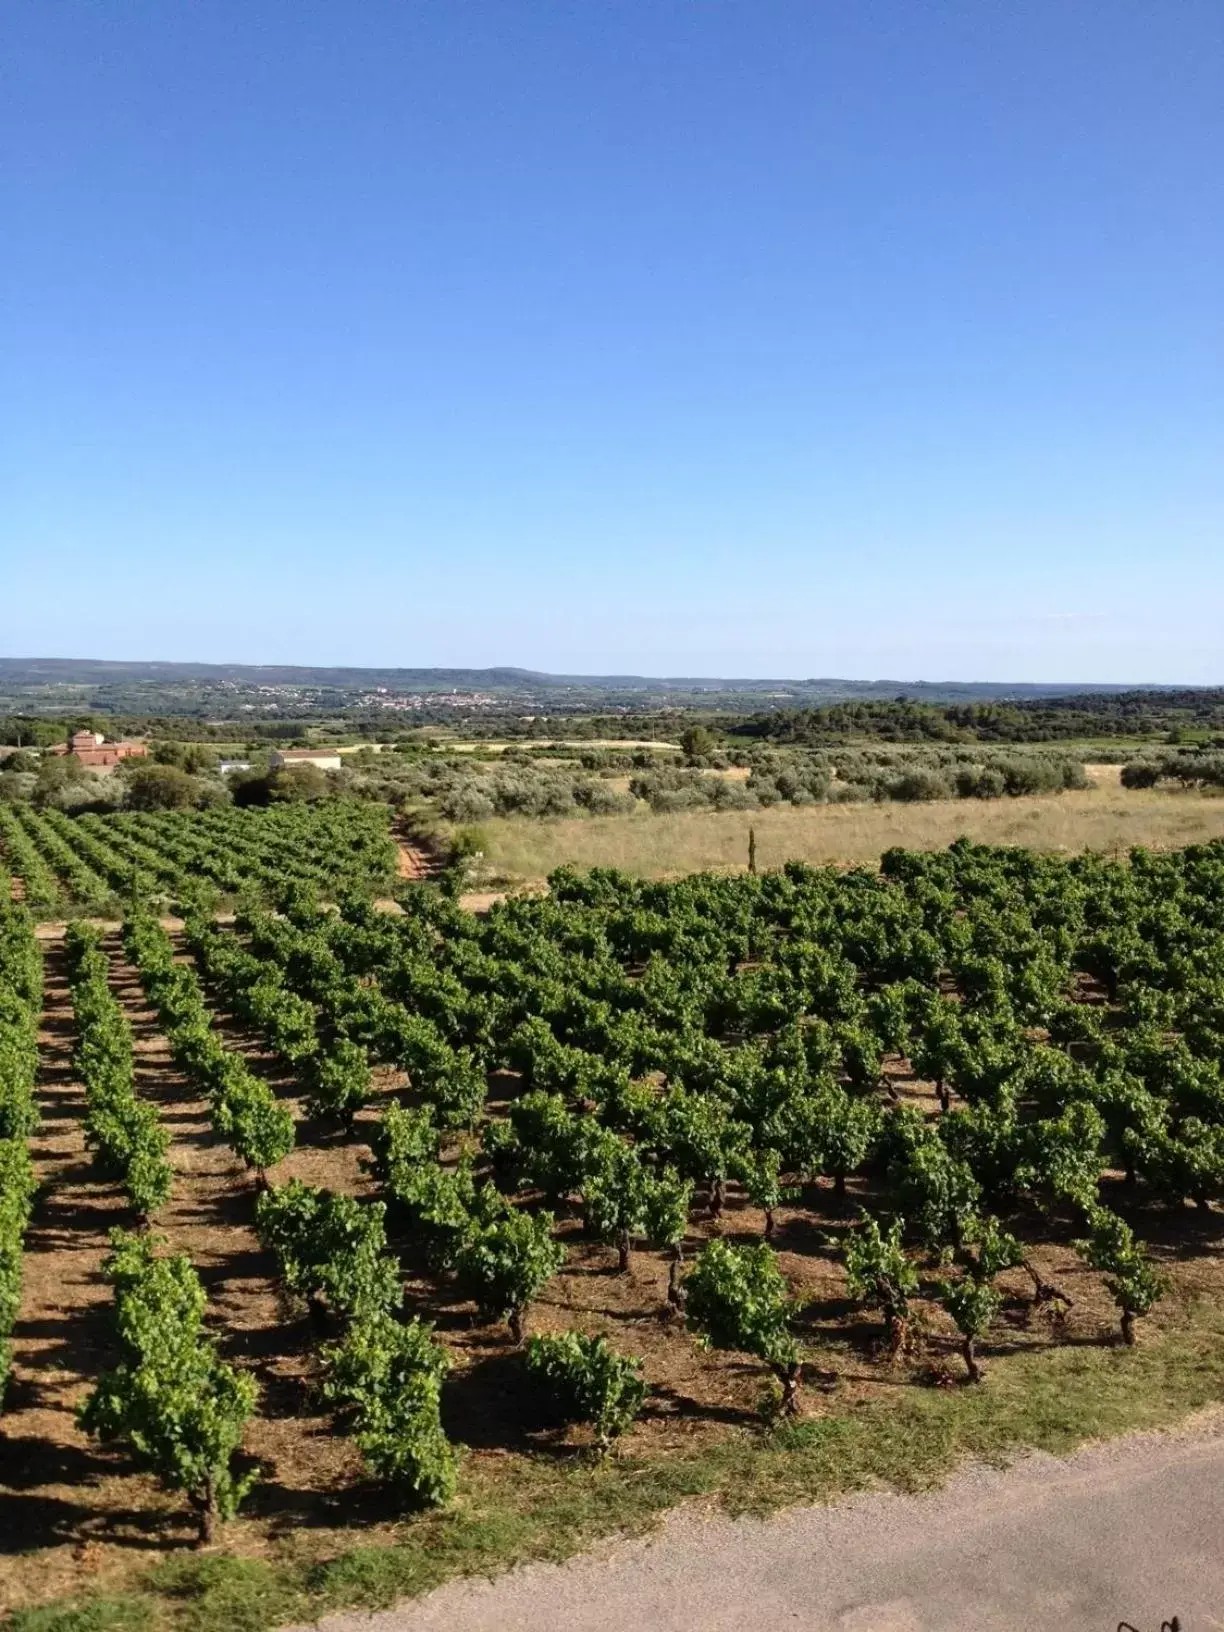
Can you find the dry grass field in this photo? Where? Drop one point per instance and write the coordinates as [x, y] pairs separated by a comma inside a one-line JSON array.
[[1104, 817]]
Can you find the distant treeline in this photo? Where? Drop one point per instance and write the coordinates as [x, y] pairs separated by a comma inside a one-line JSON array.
[[1052, 719], [1157, 716], [41, 731], [371, 725]]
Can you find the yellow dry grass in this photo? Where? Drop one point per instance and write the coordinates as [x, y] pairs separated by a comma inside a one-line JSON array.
[[1102, 818], [490, 746]]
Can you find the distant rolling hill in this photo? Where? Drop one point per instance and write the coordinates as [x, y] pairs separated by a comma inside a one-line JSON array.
[[21, 674]]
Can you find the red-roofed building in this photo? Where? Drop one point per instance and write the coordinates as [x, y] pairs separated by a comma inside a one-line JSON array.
[[92, 748]]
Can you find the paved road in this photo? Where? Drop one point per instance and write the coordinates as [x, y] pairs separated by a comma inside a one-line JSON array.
[[1133, 1530]]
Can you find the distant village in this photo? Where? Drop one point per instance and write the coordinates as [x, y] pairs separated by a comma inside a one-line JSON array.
[[404, 703]]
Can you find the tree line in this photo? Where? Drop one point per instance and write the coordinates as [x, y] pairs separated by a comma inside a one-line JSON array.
[[1030, 720]]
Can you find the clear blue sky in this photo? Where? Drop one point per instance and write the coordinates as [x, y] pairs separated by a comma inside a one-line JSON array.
[[858, 337]]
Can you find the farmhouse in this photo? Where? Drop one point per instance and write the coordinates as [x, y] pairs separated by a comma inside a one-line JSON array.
[[92, 748], [327, 759]]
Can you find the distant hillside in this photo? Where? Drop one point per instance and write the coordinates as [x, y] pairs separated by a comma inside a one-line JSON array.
[[262, 702], [42, 674]]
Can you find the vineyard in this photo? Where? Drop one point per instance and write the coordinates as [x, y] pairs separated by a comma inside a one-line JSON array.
[[342, 1205], [57, 863]]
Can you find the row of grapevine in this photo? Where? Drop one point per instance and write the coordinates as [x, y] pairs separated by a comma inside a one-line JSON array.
[[128, 1140], [20, 1009], [383, 1372], [339, 845], [741, 1031], [191, 847], [244, 1110], [84, 861], [138, 862], [79, 881], [335, 1069], [171, 1400], [113, 871], [39, 887], [17, 1190], [359, 1012], [21, 989], [501, 1256]]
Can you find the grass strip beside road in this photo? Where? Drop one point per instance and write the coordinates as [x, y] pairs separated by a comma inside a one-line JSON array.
[[541, 1509]]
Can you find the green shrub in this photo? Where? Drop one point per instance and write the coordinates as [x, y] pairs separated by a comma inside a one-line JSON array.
[[589, 1382], [339, 1079], [17, 1190], [176, 1405], [1133, 1281], [503, 1265], [389, 1374], [331, 1248], [737, 1298], [881, 1276]]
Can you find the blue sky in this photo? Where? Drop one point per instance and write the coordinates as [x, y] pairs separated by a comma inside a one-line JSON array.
[[857, 337]]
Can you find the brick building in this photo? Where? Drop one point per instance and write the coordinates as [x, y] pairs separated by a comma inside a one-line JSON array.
[[92, 748]]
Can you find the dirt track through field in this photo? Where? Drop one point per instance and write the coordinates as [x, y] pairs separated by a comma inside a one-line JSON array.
[[410, 862], [1129, 1531], [413, 860]]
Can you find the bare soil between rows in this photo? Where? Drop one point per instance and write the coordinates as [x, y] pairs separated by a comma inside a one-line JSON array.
[[74, 1516]]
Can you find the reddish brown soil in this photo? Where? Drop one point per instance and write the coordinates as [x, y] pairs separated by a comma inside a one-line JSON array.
[[68, 1505], [414, 859], [70, 1512], [410, 862], [56, 1486]]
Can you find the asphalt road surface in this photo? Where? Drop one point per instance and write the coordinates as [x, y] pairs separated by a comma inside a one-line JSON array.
[[1133, 1531]]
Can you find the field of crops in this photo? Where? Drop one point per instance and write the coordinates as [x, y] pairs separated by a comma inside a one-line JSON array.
[[57, 863], [348, 1201]]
